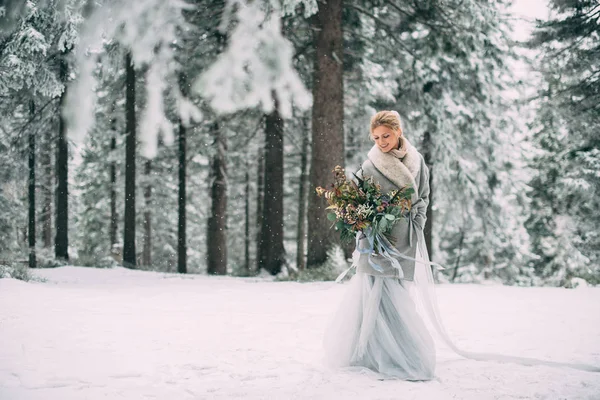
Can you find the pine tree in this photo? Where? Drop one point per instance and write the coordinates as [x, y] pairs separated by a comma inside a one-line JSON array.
[[564, 189], [442, 65]]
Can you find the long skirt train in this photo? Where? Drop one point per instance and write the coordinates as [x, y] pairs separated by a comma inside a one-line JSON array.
[[377, 326]]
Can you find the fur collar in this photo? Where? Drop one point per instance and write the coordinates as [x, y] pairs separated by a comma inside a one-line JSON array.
[[399, 172]]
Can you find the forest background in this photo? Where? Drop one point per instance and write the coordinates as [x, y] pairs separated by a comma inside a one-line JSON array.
[[189, 135]]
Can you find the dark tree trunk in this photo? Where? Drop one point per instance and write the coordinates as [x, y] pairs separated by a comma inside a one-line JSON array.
[[48, 196], [61, 240], [217, 222], [427, 150], [129, 253], [31, 233], [181, 204], [247, 221], [113, 186], [147, 246], [460, 248], [301, 232], [327, 124], [271, 254], [260, 192]]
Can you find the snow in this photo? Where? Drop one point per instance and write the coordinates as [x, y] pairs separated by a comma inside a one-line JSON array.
[[90, 333]]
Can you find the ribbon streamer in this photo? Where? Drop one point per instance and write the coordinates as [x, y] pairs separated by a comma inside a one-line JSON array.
[[386, 249]]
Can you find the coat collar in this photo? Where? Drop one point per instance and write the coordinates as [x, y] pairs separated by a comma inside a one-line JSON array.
[[399, 172]]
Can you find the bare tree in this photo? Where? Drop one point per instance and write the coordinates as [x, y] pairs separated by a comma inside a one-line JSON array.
[[181, 203], [31, 230], [129, 254], [61, 240], [301, 231], [217, 222], [271, 255], [147, 237], [113, 182]]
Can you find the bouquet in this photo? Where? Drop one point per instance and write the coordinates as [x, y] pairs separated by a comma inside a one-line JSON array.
[[361, 206]]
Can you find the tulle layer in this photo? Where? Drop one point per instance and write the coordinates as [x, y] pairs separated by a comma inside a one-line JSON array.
[[377, 326]]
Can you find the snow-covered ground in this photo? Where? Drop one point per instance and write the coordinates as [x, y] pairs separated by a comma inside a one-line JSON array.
[[121, 334]]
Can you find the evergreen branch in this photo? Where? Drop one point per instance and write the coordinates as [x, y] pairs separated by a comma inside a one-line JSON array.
[[387, 29], [35, 115], [255, 131]]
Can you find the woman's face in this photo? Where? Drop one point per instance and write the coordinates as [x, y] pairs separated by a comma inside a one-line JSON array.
[[385, 138]]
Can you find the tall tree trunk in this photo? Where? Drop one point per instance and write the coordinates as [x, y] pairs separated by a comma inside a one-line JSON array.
[[217, 222], [181, 204], [327, 123], [61, 240], [129, 253], [48, 195], [260, 194], [301, 231], [31, 233], [271, 254], [427, 150], [247, 221], [113, 184], [147, 246]]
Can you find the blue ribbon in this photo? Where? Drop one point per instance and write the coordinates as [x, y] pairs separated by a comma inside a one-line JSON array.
[[386, 249]]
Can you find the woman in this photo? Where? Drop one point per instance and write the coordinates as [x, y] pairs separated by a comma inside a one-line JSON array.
[[378, 326]]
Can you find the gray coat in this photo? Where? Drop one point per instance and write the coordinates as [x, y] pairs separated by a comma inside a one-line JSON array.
[[392, 173]]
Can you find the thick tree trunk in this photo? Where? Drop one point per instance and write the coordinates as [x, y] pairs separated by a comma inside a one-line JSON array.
[[260, 192], [301, 231], [113, 186], [181, 204], [427, 150], [217, 222], [147, 246], [271, 254], [31, 233], [327, 124], [129, 253], [61, 240]]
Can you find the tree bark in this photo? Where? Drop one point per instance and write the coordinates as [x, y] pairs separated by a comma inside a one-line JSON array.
[[147, 246], [181, 204], [129, 253], [217, 222], [113, 185], [271, 254], [47, 188], [247, 222], [301, 230], [31, 233], [427, 150], [260, 191], [61, 240], [327, 123]]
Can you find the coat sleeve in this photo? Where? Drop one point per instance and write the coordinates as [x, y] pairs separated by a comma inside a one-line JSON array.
[[421, 217]]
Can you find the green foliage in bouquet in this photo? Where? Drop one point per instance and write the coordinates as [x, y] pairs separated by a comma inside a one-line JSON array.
[[359, 205]]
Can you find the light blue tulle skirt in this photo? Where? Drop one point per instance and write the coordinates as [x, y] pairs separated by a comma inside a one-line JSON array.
[[377, 327]]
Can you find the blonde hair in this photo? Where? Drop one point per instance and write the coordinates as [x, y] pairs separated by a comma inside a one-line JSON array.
[[390, 119]]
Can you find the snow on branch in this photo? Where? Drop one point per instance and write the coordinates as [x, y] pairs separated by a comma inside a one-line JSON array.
[[147, 28], [256, 64]]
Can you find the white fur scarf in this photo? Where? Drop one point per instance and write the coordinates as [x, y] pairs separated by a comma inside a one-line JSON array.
[[399, 172]]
